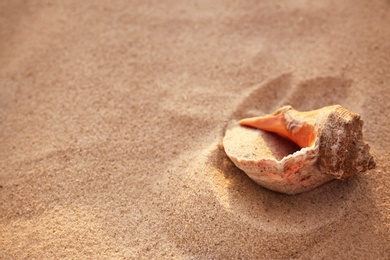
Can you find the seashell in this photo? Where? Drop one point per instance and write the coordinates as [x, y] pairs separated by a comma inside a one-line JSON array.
[[330, 141]]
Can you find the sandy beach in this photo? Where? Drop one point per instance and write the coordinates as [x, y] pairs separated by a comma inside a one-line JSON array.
[[112, 115]]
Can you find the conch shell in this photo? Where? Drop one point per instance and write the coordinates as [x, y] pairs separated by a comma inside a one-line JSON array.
[[330, 139]]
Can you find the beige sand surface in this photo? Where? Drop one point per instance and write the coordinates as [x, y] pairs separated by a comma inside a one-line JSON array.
[[112, 115]]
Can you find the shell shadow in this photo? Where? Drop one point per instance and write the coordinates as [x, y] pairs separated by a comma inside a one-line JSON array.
[[282, 90], [265, 97], [319, 92]]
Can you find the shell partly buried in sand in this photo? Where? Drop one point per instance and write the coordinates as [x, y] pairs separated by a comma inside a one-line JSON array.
[[330, 146]]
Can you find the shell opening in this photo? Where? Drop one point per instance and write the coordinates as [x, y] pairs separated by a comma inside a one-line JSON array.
[[301, 133]]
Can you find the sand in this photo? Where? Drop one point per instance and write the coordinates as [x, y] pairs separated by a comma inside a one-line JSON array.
[[112, 115]]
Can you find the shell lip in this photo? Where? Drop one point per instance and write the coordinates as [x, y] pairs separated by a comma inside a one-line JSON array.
[[313, 147]]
